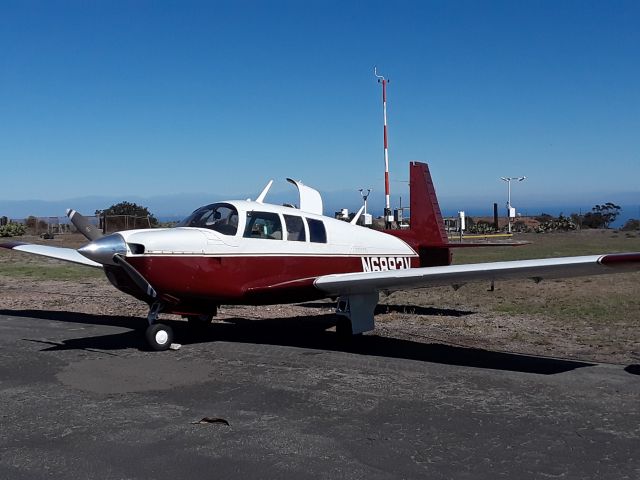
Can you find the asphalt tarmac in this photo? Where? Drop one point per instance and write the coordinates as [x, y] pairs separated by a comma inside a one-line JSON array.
[[81, 398]]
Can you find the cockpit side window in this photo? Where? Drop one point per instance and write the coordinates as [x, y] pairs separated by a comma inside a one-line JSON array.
[[221, 217], [295, 228], [317, 232], [263, 225]]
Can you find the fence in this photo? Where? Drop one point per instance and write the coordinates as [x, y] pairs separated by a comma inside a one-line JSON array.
[[115, 223], [62, 225]]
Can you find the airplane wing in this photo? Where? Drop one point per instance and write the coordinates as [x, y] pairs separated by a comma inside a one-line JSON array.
[[59, 253], [391, 280]]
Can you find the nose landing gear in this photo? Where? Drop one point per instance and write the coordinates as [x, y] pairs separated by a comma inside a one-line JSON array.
[[159, 336]]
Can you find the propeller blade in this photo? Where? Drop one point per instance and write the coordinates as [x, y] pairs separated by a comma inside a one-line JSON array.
[[82, 224], [135, 275]]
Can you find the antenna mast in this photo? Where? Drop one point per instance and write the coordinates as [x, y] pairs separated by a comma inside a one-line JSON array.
[[388, 217]]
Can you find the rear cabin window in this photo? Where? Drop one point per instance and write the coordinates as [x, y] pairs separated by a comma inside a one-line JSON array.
[[317, 232], [295, 228], [221, 217], [263, 225]]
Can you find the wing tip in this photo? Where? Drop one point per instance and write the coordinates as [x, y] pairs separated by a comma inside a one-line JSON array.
[[12, 245], [620, 259]]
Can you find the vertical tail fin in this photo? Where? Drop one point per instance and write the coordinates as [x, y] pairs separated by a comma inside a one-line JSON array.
[[427, 225], [426, 235]]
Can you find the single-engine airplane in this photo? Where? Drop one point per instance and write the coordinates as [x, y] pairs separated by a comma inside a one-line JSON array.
[[252, 252]]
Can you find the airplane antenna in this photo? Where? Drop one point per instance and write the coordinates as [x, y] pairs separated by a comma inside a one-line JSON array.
[[264, 192], [388, 217]]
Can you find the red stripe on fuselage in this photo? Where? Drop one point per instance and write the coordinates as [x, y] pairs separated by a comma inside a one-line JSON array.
[[242, 279]]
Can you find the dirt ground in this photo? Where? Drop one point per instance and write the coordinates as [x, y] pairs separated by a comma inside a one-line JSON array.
[[590, 319]]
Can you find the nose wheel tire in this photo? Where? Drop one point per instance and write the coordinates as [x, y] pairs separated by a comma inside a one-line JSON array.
[[159, 337]]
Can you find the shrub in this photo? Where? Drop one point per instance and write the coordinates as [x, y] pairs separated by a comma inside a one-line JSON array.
[[12, 230], [520, 226], [561, 223], [631, 224], [481, 228]]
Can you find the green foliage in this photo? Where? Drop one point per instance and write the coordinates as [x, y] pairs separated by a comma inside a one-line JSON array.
[[631, 224], [481, 228], [131, 209], [601, 216], [561, 223], [520, 226], [12, 230]]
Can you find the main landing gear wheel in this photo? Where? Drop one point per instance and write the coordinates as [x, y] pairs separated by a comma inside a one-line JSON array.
[[159, 336]]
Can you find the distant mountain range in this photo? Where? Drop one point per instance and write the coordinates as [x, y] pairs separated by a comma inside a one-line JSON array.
[[172, 207]]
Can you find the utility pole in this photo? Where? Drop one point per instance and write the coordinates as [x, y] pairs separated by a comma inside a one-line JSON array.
[[388, 217], [509, 211]]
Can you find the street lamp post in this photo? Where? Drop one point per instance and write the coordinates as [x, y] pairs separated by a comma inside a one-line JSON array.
[[508, 180]]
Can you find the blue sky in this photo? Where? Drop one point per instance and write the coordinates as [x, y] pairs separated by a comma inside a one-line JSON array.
[[143, 99]]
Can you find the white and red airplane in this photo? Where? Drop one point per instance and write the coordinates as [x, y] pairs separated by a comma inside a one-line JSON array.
[[252, 252]]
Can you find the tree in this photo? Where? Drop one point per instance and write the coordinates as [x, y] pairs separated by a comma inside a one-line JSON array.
[[128, 208], [601, 216], [631, 224], [34, 224]]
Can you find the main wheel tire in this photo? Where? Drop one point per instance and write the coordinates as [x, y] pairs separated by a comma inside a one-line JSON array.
[[159, 337]]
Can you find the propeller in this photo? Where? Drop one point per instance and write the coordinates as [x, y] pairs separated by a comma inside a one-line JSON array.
[[135, 275], [82, 224], [111, 250]]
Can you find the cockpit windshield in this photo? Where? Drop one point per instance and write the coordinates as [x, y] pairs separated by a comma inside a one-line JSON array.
[[221, 217]]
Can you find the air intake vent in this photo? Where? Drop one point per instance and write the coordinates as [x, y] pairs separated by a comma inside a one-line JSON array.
[[136, 248]]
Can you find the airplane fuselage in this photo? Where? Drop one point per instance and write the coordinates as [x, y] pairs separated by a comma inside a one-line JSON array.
[[254, 253]]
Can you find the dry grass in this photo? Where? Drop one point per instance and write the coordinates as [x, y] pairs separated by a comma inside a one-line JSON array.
[[591, 318]]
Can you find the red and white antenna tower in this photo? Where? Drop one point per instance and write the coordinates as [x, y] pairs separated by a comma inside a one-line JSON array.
[[388, 217]]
